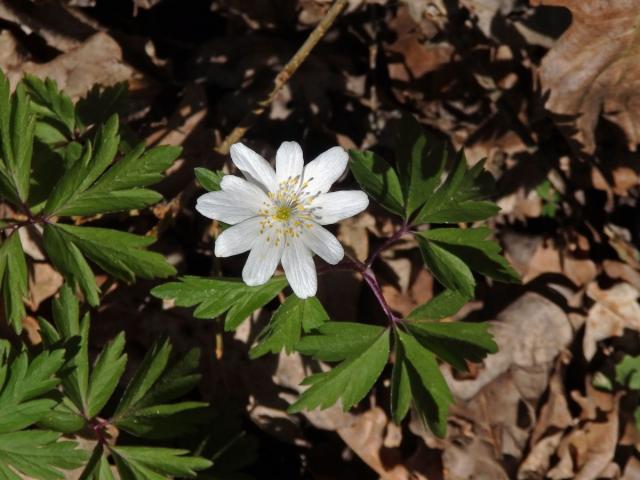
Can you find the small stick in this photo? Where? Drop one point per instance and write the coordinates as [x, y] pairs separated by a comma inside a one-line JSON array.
[[283, 77]]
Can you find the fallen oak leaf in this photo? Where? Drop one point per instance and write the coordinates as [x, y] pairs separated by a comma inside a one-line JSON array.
[[593, 68], [615, 309]]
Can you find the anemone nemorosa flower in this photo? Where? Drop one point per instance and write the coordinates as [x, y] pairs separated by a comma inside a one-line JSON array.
[[278, 215]]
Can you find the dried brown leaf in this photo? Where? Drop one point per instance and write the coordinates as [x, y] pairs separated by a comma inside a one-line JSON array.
[[593, 68]]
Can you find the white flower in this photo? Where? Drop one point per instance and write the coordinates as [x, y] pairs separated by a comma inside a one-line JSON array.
[[278, 215]]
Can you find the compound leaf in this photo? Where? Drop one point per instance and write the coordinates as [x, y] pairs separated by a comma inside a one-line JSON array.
[[349, 381], [215, 296]]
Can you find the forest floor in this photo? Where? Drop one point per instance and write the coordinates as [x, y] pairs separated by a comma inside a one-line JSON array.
[[547, 91]]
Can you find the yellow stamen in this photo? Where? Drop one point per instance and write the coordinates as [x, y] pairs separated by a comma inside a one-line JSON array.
[[282, 213]]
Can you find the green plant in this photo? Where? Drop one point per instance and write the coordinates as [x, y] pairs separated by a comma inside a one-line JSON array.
[[59, 408], [58, 162], [425, 186]]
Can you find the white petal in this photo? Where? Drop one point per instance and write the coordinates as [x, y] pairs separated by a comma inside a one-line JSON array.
[[335, 206], [322, 242], [289, 161], [299, 268], [238, 239], [237, 201], [325, 169], [224, 206], [262, 262], [254, 167], [246, 192]]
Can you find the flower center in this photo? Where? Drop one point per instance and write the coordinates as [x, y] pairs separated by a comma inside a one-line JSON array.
[[287, 211], [283, 213]]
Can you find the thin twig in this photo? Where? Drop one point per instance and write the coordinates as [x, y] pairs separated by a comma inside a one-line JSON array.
[[283, 77]]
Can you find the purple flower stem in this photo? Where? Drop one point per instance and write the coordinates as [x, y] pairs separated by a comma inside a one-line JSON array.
[[372, 281], [406, 228], [367, 272]]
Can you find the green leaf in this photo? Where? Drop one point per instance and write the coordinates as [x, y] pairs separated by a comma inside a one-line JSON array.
[[8, 185], [120, 254], [15, 287], [285, 328], [400, 385], [119, 188], [461, 196], [445, 304], [37, 454], [215, 296], [349, 381], [628, 372], [378, 179], [152, 366], [85, 171], [107, 371], [68, 259], [336, 341], [143, 410], [139, 168], [209, 179], [475, 250], [51, 105], [450, 271], [421, 160], [97, 468], [431, 395], [93, 203], [147, 463], [455, 342], [17, 127], [21, 386], [64, 418]]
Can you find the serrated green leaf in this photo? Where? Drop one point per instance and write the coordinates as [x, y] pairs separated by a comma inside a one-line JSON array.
[[121, 254], [107, 371], [421, 160], [64, 418], [51, 104], [445, 304], [400, 385], [475, 250], [17, 127], [143, 410], [15, 287], [68, 259], [448, 269], [163, 421], [209, 179], [378, 179], [84, 172], [336, 341], [431, 395], [139, 168], [286, 325], [349, 381], [455, 342], [37, 454], [23, 127], [23, 383], [461, 196], [155, 463], [152, 366], [215, 296], [93, 203]]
